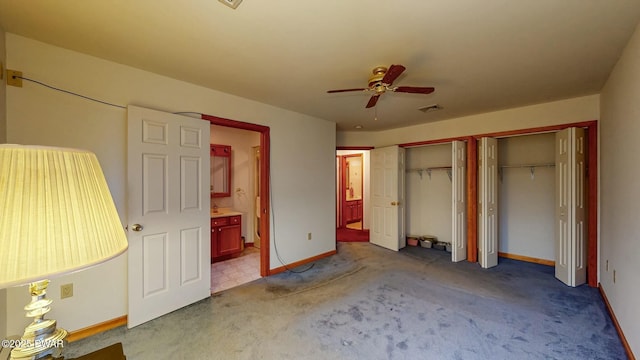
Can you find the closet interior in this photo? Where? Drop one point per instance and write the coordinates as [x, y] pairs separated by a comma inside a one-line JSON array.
[[526, 195], [429, 192]]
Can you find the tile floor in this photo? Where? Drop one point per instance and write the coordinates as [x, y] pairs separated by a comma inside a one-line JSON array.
[[236, 271]]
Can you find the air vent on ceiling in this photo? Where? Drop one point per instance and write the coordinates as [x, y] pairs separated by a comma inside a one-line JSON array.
[[231, 3], [430, 108]]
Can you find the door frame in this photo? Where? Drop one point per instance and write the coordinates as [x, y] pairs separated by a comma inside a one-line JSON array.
[[592, 186], [362, 149], [265, 141], [343, 186]]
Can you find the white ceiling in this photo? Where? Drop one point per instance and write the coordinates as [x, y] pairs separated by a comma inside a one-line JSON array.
[[479, 55]]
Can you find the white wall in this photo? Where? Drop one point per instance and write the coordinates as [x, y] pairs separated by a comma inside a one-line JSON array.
[[526, 207], [302, 159], [620, 192], [429, 198], [552, 113], [242, 193]]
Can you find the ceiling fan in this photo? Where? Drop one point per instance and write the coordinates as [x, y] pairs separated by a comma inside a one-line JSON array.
[[381, 81]]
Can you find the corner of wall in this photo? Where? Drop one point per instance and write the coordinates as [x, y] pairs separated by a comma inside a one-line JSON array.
[[3, 89], [3, 139]]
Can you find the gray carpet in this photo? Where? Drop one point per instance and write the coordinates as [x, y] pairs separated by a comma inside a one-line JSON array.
[[371, 303]]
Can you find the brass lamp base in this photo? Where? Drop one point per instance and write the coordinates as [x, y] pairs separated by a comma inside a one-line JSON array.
[[41, 338]]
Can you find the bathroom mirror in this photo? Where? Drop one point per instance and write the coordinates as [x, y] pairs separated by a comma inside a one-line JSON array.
[[220, 170], [353, 177]]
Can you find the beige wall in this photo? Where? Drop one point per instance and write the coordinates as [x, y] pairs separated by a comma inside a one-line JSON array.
[[620, 192], [558, 112], [37, 115]]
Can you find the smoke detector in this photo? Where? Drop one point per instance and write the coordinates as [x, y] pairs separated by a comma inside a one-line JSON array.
[[430, 108], [231, 3]]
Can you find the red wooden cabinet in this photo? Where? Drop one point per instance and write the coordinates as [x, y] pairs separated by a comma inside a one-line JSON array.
[[226, 237], [353, 211]]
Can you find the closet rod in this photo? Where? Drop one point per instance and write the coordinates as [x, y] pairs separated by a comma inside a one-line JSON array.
[[528, 166], [431, 168]]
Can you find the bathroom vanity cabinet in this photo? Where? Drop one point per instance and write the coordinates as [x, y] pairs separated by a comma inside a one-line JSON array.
[[353, 211], [226, 237]]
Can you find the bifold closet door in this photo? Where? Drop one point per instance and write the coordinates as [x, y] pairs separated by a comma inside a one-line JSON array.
[[571, 251], [488, 202], [459, 196]]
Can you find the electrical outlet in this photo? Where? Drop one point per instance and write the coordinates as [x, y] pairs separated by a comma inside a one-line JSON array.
[[66, 291], [309, 236]]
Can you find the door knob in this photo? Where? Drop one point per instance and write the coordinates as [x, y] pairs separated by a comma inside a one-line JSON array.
[[394, 203], [136, 227]]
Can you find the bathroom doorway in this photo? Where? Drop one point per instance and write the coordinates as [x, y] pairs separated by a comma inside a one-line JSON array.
[[352, 191], [244, 139]]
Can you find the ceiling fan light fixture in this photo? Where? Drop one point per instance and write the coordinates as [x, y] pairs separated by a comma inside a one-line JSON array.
[[379, 88], [231, 3]]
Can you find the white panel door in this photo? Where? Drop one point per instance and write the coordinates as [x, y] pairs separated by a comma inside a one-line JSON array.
[[488, 202], [168, 213], [387, 198], [459, 194], [571, 252]]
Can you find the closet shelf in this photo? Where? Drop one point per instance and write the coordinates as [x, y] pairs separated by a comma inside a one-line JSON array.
[[531, 168], [428, 170], [528, 166]]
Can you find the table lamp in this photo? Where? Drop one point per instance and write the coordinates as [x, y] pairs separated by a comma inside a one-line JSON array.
[[56, 216]]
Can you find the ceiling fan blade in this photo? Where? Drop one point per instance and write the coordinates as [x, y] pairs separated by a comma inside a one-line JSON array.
[[392, 74], [372, 102], [345, 90], [414, 89]]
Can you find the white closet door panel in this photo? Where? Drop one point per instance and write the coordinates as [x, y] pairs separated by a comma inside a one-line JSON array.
[[488, 202], [459, 194], [571, 252]]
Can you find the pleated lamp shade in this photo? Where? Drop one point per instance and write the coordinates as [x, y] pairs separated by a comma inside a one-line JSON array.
[[56, 214]]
